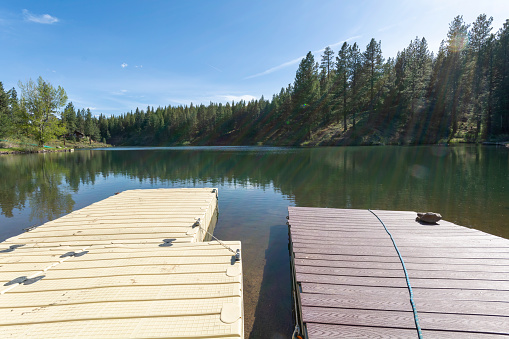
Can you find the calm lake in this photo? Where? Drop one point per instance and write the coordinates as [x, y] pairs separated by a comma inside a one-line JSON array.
[[468, 185]]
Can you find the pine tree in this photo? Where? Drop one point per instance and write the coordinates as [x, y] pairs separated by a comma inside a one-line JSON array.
[[89, 123], [80, 121], [355, 71], [416, 73], [478, 43], [326, 80], [501, 88], [327, 67], [306, 91], [457, 38], [5, 122], [373, 63], [69, 118], [343, 69]]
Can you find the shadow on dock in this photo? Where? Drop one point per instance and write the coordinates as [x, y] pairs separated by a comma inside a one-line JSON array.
[[276, 286]]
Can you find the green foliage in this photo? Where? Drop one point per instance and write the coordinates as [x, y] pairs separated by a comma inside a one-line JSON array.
[[5, 123], [39, 104], [69, 118]]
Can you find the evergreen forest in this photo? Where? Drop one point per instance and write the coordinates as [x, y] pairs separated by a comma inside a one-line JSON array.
[[352, 96]]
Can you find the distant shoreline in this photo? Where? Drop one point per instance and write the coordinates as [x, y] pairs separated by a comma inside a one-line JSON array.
[[505, 144], [38, 151]]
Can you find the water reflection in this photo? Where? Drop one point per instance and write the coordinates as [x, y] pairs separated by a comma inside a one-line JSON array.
[[467, 185], [37, 180]]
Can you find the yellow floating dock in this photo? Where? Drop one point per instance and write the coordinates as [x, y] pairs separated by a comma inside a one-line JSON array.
[[135, 265]]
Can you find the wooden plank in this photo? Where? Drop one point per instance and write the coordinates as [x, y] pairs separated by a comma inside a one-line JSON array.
[[392, 319], [351, 282], [334, 271], [327, 331], [369, 258], [400, 302], [420, 260], [398, 319], [434, 293], [387, 303], [465, 322], [398, 272], [425, 267], [458, 246], [405, 252], [349, 264], [359, 250]]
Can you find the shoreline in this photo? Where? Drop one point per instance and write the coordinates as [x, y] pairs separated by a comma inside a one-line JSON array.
[[37, 151], [506, 144]]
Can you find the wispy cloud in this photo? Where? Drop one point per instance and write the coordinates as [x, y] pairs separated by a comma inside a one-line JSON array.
[[40, 19], [121, 92], [386, 28], [217, 69], [137, 66], [276, 68], [297, 60], [124, 65]]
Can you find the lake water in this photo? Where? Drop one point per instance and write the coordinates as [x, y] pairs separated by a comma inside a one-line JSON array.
[[468, 185]]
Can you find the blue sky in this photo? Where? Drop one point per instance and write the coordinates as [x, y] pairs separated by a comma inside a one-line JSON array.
[[113, 56]]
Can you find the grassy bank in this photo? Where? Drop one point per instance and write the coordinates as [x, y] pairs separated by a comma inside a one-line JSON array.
[[16, 146]]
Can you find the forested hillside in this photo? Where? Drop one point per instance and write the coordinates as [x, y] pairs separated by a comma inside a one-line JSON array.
[[350, 96]]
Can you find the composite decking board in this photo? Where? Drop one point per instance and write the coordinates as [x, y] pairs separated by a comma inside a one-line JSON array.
[[101, 273], [401, 319], [380, 318], [338, 257], [420, 260], [401, 303], [397, 272], [334, 250], [351, 280], [325, 262], [389, 302], [400, 282], [452, 247], [350, 283], [381, 234], [376, 228], [334, 271], [430, 293], [326, 331], [405, 252], [411, 247]]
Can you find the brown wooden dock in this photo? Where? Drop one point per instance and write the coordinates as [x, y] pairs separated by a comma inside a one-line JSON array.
[[350, 282]]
